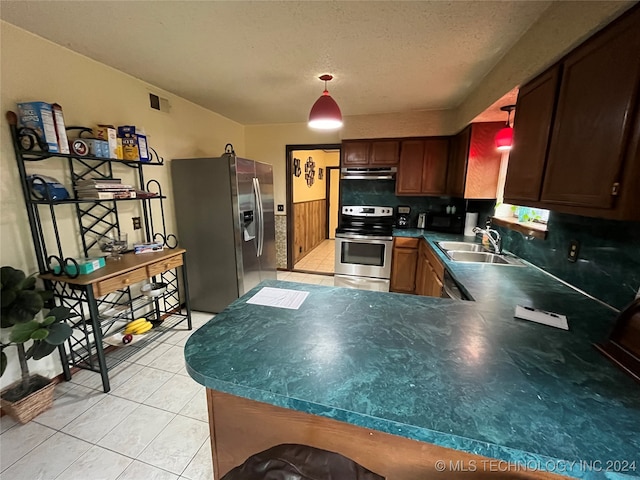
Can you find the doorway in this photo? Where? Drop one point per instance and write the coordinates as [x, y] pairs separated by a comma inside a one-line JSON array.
[[312, 206]]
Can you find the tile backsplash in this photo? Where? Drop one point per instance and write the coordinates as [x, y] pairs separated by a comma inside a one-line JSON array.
[[608, 265], [383, 193]]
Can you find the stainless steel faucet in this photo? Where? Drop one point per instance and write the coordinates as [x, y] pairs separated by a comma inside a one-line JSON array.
[[496, 242]]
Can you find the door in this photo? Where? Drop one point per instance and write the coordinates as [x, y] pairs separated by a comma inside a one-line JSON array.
[[409, 177], [264, 174], [531, 129], [594, 117], [434, 167], [458, 155], [249, 224], [355, 153]]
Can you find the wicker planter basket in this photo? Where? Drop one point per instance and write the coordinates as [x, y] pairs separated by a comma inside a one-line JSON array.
[[27, 408]]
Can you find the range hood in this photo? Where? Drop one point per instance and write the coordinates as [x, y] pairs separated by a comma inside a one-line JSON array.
[[368, 173]]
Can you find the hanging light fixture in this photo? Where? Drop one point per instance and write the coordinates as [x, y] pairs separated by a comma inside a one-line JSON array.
[[504, 137], [325, 113]]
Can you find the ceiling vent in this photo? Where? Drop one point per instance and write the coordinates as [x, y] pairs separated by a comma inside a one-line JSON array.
[[158, 103]]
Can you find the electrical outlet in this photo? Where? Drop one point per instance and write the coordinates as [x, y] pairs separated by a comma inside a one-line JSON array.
[[281, 208], [574, 249], [136, 223]]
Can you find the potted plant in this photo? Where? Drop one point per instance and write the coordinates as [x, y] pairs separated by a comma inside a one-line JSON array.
[[21, 302]]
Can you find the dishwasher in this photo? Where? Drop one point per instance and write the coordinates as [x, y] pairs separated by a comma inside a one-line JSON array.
[[450, 288]]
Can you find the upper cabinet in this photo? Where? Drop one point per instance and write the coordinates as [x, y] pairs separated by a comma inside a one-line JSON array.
[[474, 162], [372, 153], [423, 166], [577, 128]]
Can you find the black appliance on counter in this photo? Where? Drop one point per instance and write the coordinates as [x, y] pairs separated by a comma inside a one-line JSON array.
[[403, 216], [445, 222]]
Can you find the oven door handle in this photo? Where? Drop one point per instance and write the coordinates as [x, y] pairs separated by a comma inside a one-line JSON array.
[[349, 236]]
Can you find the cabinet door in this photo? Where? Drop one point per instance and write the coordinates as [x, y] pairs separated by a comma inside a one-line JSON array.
[[434, 168], [408, 181], [483, 163], [531, 129], [458, 154], [385, 152], [435, 289], [403, 270], [598, 94], [423, 284], [355, 153]]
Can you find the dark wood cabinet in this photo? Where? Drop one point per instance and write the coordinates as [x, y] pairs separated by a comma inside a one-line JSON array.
[[430, 272], [403, 265], [423, 166], [385, 152], [355, 153], [598, 96], [376, 153], [532, 126], [577, 130], [409, 178], [458, 156]]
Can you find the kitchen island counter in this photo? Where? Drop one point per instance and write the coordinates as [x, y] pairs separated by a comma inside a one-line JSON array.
[[465, 376]]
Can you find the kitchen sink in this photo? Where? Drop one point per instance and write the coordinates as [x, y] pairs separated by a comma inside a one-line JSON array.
[[476, 253], [461, 246]]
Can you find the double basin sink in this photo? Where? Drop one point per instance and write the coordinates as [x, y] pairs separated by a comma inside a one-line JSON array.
[[476, 253]]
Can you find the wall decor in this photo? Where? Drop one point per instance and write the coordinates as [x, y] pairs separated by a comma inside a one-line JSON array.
[[297, 171], [320, 173], [309, 171]]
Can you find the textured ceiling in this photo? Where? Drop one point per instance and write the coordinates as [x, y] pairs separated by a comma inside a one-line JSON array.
[[258, 62]]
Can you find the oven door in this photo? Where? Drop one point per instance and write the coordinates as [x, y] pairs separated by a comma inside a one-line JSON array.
[[363, 255]]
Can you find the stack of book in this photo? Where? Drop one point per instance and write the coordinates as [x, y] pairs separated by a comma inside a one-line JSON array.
[[103, 189]]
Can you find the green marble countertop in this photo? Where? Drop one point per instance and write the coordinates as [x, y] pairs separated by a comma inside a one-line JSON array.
[[462, 375]]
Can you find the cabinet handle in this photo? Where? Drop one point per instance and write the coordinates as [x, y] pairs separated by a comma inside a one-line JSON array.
[[166, 266], [126, 281], [615, 189]]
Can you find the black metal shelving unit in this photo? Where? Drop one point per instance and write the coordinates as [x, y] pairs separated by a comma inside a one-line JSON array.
[[95, 317]]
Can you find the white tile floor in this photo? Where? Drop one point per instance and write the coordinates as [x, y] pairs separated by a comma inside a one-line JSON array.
[[321, 259], [151, 426]]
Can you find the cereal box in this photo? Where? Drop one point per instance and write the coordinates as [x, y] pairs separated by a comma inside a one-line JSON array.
[[39, 117]]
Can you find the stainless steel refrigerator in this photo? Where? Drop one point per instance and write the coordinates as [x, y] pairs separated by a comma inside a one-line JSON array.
[[225, 219]]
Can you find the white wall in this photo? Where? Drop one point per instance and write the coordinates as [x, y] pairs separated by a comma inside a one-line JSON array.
[[35, 69]]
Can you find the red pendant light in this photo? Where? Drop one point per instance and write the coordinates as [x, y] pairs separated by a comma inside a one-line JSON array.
[[504, 137], [325, 113]]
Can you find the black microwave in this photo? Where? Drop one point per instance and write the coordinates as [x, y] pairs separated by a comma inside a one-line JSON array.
[[445, 222]]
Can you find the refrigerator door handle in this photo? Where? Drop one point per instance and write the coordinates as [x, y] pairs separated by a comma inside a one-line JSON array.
[[258, 220], [261, 224]]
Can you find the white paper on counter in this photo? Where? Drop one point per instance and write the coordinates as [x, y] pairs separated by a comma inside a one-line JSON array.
[[279, 298]]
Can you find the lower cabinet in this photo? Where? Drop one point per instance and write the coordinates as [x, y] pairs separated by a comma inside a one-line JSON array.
[[403, 265], [430, 272], [415, 268]]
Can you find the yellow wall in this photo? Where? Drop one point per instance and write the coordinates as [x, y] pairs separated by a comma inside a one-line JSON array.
[[303, 192], [90, 93], [267, 143]]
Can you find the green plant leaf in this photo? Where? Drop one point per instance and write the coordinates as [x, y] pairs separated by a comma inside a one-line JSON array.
[[21, 332], [58, 333], [48, 321], [25, 306], [40, 334], [3, 362], [10, 278], [59, 313], [8, 297], [42, 349]]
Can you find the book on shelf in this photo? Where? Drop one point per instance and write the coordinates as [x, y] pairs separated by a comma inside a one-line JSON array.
[[106, 195], [110, 187], [94, 180]]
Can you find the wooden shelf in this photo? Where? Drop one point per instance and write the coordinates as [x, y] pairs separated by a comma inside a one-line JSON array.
[[530, 229]]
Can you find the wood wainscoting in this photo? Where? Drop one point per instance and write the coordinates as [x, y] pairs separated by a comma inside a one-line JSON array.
[[310, 227]]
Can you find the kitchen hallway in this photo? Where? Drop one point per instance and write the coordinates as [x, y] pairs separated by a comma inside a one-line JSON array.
[[152, 425], [319, 260]]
